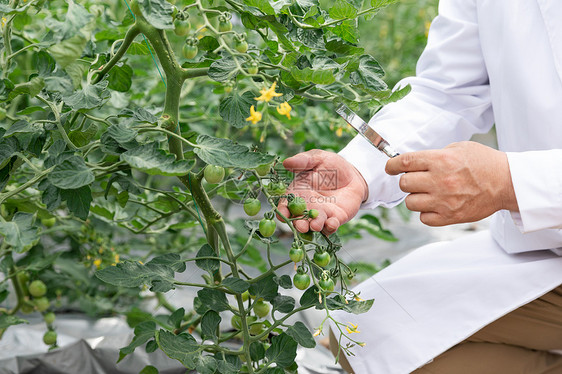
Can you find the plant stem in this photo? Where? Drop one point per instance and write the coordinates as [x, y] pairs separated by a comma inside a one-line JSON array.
[[129, 37]]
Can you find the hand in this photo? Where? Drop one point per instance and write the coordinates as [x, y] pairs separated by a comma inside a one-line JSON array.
[[329, 184], [463, 182]]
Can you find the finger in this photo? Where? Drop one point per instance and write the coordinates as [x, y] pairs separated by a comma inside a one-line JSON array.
[[317, 224], [302, 225], [282, 207], [331, 226], [417, 182], [420, 202], [303, 161], [412, 161], [432, 219]]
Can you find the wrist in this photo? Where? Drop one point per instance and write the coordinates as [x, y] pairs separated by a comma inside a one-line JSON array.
[[507, 197]]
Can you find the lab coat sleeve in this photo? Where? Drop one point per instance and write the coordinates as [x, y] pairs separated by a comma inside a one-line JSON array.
[[537, 181], [449, 102]]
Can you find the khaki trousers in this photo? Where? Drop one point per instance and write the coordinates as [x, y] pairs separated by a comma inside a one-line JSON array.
[[517, 343]]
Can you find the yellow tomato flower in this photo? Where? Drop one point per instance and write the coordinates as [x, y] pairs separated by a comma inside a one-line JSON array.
[[97, 263], [339, 132], [357, 298], [317, 333], [351, 328], [427, 26], [255, 117], [116, 258], [284, 109], [3, 22], [268, 94], [362, 344]]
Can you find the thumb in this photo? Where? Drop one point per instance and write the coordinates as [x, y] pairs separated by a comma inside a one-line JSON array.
[[303, 161]]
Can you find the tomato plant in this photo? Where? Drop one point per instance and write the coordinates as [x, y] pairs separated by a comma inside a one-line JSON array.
[[252, 206], [112, 120]]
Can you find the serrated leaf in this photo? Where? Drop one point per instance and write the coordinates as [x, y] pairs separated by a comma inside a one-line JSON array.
[[9, 320], [283, 350], [209, 324], [182, 347], [222, 70], [134, 274], [208, 43], [170, 260], [265, 288], [158, 13], [90, 97], [347, 31], [20, 233], [154, 161], [121, 132], [7, 149], [31, 88], [234, 108], [226, 153], [262, 5], [352, 306], [120, 78], [144, 331], [308, 75], [368, 74], [342, 10], [205, 364], [176, 318], [138, 49], [69, 50], [235, 284], [284, 304], [70, 174], [382, 3], [301, 334], [149, 369], [76, 18], [78, 200], [213, 299]]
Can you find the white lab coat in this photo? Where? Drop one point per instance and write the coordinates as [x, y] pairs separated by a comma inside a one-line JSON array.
[[486, 62]]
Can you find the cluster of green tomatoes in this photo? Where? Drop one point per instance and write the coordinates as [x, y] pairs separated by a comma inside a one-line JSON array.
[[35, 300]]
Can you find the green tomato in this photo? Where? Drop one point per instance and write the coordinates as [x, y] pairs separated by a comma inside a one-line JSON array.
[[301, 281], [261, 308], [213, 174], [267, 227], [313, 213], [326, 284], [252, 207], [236, 322], [241, 46], [277, 188], [27, 308], [3, 114], [253, 68], [49, 222], [42, 304], [256, 329], [228, 88], [50, 337], [296, 254], [37, 288], [181, 27], [225, 26], [23, 277], [245, 296], [49, 318], [322, 259], [297, 206], [263, 170], [189, 51]]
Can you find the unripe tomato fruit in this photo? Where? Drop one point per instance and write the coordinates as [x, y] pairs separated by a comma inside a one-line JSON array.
[[253, 68], [277, 188], [245, 296], [37, 288], [296, 254], [297, 206], [263, 170], [256, 329], [189, 51], [41, 304], [225, 26], [27, 308], [49, 222], [313, 213], [322, 259], [181, 27], [252, 207], [326, 284], [213, 174], [301, 281], [50, 337], [49, 318], [267, 227], [261, 308], [241, 46]]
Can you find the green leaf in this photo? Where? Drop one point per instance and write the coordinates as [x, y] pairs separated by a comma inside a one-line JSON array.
[[226, 153], [81, 138], [90, 97], [120, 78], [68, 51], [301, 334], [382, 3], [310, 298], [342, 10], [209, 265], [6, 86], [7, 149], [213, 299], [283, 350], [158, 13], [8, 320], [206, 364], [170, 260], [31, 88], [368, 74], [149, 369], [77, 17], [284, 304], [257, 351], [352, 306], [208, 43], [76, 71], [134, 274], [138, 49], [154, 161], [284, 281], [223, 70], [176, 317], [347, 31], [78, 201], [209, 324], [234, 108], [340, 47], [373, 226], [70, 174], [265, 288], [121, 132], [182, 347], [262, 5], [144, 331], [20, 233], [235, 284], [309, 75], [43, 63]]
